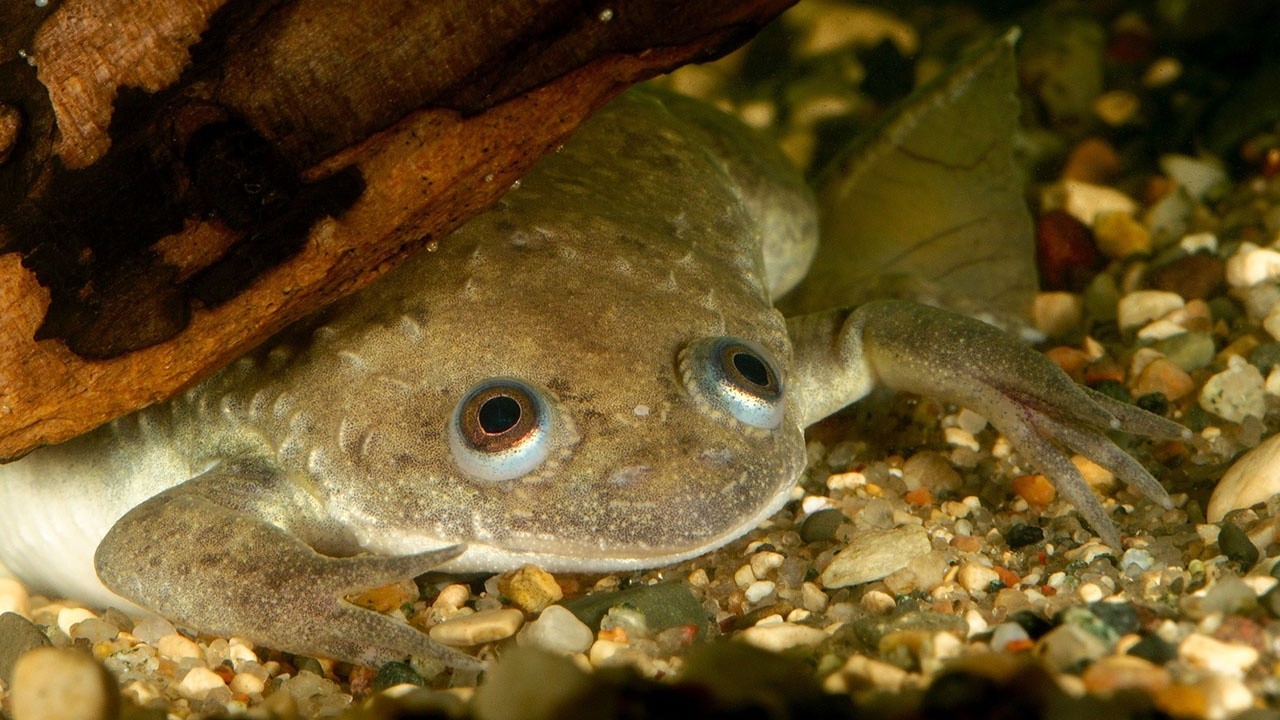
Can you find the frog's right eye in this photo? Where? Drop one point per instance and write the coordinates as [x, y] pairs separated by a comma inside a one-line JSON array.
[[500, 430], [735, 377]]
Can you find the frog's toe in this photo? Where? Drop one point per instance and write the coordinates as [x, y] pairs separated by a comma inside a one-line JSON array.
[[1135, 420], [1047, 456]]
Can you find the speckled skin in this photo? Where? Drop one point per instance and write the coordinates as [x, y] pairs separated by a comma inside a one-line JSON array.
[[320, 465]]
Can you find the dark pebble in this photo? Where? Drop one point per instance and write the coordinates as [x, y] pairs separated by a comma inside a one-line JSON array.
[[1154, 650], [1237, 546], [1065, 252], [1265, 356], [1194, 277], [1021, 535], [665, 605], [1119, 616], [1270, 601], [821, 525], [17, 636], [1035, 625], [1154, 402], [1114, 389], [396, 673]]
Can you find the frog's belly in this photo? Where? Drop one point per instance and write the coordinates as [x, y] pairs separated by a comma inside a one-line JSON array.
[[55, 515]]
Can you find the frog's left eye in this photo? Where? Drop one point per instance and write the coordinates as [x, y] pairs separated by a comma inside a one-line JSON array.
[[735, 376], [500, 430]]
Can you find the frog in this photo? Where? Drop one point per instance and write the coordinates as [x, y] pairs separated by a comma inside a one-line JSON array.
[[590, 376]]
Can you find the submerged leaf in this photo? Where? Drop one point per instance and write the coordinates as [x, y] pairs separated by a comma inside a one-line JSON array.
[[930, 205]]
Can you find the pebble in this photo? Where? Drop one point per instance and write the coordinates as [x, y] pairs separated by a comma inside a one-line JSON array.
[[386, 598], [1235, 393], [1251, 265], [874, 554], [1162, 376], [1142, 306], [1067, 648], [1009, 636], [62, 684], [821, 525], [781, 636], [70, 617], [1066, 255], [1198, 176], [481, 627], [1189, 351], [177, 647], [151, 628], [1034, 489], [14, 597], [1228, 659], [977, 579], [530, 588], [1086, 201], [1057, 313], [860, 671], [759, 590], [17, 636], [1116, 107], [247, 684], [1092, 160], [199, 682], [1119, 235], [1251, 479], [1124, 672], [557, 630], [765, 562]]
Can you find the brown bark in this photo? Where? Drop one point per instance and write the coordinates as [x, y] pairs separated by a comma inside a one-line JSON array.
[[384, 126]]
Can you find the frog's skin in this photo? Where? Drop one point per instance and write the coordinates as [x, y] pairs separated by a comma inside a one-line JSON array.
[[621, 283]]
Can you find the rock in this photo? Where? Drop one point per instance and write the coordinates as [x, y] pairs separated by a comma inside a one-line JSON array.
[[530, 588], [68, 618], [199, 682], [821, 525], [1142, 306], [1119, 235], [663, 605], [1169, 217], [1092, 160], [781, 636], [1200, 177], [1009, 637], [14, 597], [874, 554], [1254, 477], [177, 647], [1189, 351], [17, 636], [1035, 489], [930, 470], [1057, 313], [1124, 672], [1229, 659], [477, 628], [1116, 107], [1237, 546], [385, 598], [1065, 252], [62, 684], [977, 579], [1235, 393], [1068, 648], [1251, 265], [557, 631], [1162, 376], [1086, 202]]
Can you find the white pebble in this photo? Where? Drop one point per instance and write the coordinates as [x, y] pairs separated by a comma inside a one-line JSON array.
[[1160, 329], [1199, 242], [151, 628], [14, 597], [959, 437], [68, 617], [1251, 265], [452, 597], [1142, 306], [1057, 313], [763, 563], [1254, 477], [874, 554], [781, 636], [812, 597], [759, 590], [177, 647], [744, 576], [481, 627], [557, 630], [1199, 176], [1086, 201], [1235, 393], [199, 682], [976, 579], [247, 683], [1222, 658]]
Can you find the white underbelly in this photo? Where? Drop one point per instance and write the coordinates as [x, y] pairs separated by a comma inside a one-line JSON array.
[[54, 511]]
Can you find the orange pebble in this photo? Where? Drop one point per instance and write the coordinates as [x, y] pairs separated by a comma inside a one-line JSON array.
[[1035, 489], [1007, 576], [1073, 361], [920, 497], [966, 543]]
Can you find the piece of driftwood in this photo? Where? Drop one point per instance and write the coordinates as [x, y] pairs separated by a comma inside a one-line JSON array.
[[181, 179]]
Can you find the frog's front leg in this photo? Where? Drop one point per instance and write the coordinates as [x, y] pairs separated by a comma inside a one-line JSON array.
[[234, 552], [841, 355]]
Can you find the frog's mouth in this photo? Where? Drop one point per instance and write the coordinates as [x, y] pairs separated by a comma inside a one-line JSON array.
[[560, 555]]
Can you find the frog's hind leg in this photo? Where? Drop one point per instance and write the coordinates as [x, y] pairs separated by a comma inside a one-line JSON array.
[[234, 552]]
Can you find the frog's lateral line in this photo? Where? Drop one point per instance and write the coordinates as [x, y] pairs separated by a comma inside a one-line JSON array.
[[589, 376]]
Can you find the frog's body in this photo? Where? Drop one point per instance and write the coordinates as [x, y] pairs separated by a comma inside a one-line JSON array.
[[650, 406]]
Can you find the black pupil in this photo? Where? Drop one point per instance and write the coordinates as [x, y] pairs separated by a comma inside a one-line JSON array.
[[752, 368], [499, 414]]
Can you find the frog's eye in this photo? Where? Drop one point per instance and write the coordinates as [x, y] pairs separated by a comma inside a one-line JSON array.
[[735, 376], [500, 430]]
